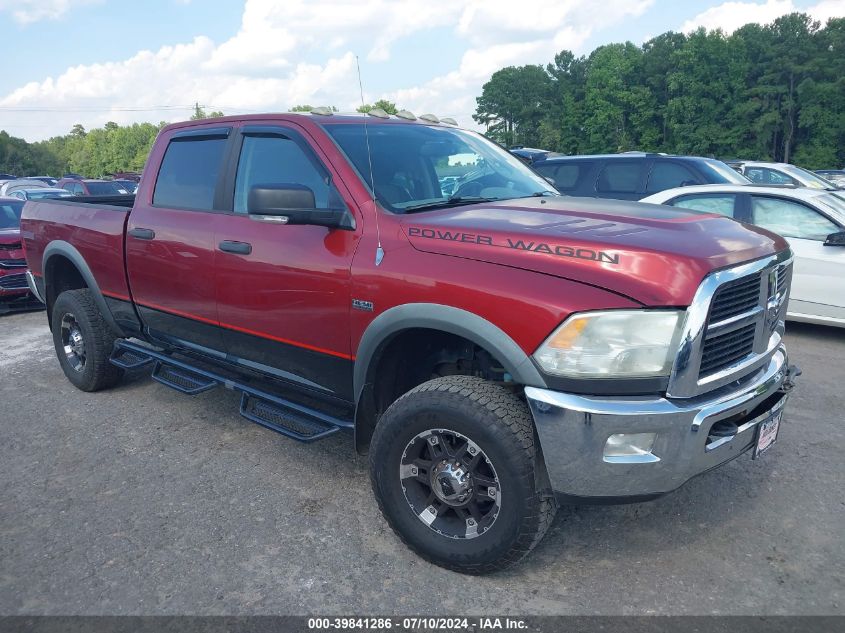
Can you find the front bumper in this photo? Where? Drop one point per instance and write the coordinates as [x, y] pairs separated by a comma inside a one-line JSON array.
[[573, 431]]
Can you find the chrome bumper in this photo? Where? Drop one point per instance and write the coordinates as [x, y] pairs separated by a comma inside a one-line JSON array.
[[33, 286], [574, 430]]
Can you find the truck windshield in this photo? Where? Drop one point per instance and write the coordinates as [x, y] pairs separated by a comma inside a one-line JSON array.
[[419, 167], [10, 214]]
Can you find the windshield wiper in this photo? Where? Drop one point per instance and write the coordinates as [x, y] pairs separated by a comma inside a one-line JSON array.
[[454, 201]]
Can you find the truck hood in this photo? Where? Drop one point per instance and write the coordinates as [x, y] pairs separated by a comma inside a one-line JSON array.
[[10, 244], [654, 254]]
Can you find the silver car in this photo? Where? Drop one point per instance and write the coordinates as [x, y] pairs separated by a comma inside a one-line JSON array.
[[763, 173], [40, 193]]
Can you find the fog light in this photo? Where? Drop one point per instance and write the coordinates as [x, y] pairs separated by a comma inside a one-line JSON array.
[[630, 448]]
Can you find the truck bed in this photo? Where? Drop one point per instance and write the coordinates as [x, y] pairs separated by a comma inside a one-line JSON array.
[[92, 226]]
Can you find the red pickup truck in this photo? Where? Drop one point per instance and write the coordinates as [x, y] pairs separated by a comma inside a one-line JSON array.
[[494, 346]]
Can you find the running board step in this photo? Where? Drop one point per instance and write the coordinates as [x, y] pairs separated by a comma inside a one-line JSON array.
[[182, 380], [129, 358], [287, 418], [292, 419]]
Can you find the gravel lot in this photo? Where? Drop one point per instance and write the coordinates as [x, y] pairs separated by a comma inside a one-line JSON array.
[[140, 500]]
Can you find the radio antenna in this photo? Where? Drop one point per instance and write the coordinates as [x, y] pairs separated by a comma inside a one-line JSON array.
[[379, 249]]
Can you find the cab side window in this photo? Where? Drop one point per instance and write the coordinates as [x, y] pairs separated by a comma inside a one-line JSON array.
[[276, 159], [790, 219], [723, 204], [188, 175]]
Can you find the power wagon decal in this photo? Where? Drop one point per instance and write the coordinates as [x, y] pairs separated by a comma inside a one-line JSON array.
[[520, 245]]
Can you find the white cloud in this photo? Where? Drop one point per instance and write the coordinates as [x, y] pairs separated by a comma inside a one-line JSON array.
[[729, 16], [506, 36], [262, 66], [28, 11]]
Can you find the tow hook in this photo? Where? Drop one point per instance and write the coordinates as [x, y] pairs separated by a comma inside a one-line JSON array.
[[792, 372]]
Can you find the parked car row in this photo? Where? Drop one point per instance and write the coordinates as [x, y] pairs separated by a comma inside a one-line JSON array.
[[75, 184], [805, 207], [14, 291]]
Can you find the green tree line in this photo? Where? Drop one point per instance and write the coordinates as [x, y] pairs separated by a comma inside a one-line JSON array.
[[765, 92], [92, 153]]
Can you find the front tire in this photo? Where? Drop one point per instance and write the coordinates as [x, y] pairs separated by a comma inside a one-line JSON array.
[[452, 464], [84, 341]]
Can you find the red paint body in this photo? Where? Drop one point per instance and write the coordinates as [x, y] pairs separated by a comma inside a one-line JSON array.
[[524, 265]]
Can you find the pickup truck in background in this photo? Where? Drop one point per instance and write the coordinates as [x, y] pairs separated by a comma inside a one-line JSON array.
[[496, 348]]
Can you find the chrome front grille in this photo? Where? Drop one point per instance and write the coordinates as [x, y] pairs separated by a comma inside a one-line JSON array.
[[723, 350], [12, 263], [735, 298], [734, 325]]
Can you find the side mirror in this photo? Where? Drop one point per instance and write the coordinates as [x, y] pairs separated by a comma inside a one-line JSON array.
[[288, 203], [835, 239]]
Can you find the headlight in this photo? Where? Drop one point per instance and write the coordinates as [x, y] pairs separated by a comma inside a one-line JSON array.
[[613, 344]]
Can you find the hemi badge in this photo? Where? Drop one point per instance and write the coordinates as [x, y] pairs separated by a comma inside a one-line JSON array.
[[360, 304]]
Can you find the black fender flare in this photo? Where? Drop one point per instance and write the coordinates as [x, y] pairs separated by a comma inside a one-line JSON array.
[[444, 318], [67, 250]]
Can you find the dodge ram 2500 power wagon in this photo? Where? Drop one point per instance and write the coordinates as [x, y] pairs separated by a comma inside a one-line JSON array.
[[495, 347]]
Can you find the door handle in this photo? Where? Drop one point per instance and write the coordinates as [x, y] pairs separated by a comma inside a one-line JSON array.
[[239, 248], [142, 234]]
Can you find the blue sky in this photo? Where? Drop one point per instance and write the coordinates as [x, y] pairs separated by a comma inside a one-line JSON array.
[[90, 61]]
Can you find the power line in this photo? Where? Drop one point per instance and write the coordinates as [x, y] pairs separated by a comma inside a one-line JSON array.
[[85, 109]]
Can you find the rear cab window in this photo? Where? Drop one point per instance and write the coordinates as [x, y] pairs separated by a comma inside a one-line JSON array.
[[189, 172]]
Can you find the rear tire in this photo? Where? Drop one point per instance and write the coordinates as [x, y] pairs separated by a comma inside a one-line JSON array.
[[467, 500], [84, 341]]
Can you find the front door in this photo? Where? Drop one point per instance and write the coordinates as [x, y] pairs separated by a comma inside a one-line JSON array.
[[283, 292], [170, 247]]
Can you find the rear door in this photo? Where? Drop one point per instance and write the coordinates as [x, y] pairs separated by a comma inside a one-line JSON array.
[[622, 179], [170, 246], [667, 174], [568, 176], [283, 291], [819, 270]]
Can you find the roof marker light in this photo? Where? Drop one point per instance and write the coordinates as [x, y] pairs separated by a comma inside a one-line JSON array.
[[449, 121], [430, 118], [378, 112], [404, 114], [322, 110]]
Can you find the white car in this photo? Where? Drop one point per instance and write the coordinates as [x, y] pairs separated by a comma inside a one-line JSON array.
[[761, 173], [812, 220]]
